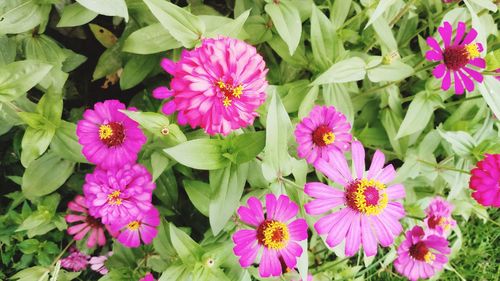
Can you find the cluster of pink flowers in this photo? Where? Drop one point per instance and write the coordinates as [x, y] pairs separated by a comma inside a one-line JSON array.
[[485, 181], [425, 249]]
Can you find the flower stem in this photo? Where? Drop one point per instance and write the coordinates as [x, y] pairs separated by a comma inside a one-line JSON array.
[[439, 167], [62, 253], [462, 100]]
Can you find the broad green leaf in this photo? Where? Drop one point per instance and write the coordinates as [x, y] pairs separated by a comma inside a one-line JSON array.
[[339, 12], [182, 25], [418, 115], [395, 71], [352, 69], [136, 70], [303, 260], [338, 96], [35, 142], [322, 38], [152, 122], [217, 26], [107, 8], [159, 162], [489, 91], [188, 250], [384, 33], [227, 187], [65, 143], [382, 6], [391, 122], [109, 62], [51, 106], [8, 47], [162, 242], [158, 38], [18, 77], [308, 102], [286, 19], [461, 143], [488, 4], [202, 154], [180, 272], [36, 273], [166, 189], [198, 193], [246, 147], [18, 16], [75, 15], [103, 35], [45, 175]]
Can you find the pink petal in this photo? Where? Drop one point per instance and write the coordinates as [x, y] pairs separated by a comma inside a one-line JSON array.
[[368, 237], [433, 55], [358, 158], [319, 206], [377, 164], [459, 33], [330, 171], [439, 71], [339, 230], [470, 37], [469, 84], [321, 190], [168, 66], [446, 81], [432, 42], [478, 62], [269, 264], [396, 191], [387, 174], [353, 238], [459, 88], [474, 74], [446, 31], [298, 229]]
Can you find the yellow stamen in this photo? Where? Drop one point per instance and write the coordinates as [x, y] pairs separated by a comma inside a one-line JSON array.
[[443, 222], [276, 235], [360, 199], [133, 225], [472, 51], [105, 132], [238, 91], [221, 84], [113, 198], [429, 257], [328, 138], [226, 102]]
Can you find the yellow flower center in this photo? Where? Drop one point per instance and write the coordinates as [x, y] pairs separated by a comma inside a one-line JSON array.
[[472, 51], [133, 225], [366, 196], [105, 132], [114, 198], [273, 234], [229, 92], [328, 138], [429, 257]]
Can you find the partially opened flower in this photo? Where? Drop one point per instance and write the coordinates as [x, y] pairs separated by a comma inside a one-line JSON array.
[[457, 58], [324, 130], [217, 86], [97, 263], [75, 261], [118, 194], [421, 255], [273, 236], [109, 138], [364, 212], [439, 220], [86, 226], [142, 227], [485, 181], [148, 277]]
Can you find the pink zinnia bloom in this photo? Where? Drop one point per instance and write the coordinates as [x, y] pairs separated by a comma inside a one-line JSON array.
[[97, 263], [86, 223], [142, 227], [75, 261], [274, 235], [364, 213], [109, 138], [324, 130], [421, 255], [148, 277], [217, 86], [485, 180], [439, 218], [118, 194], [456, 57]]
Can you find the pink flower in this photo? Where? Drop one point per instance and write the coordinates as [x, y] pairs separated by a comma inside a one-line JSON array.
[[109, 138], [420, 255], [275, 234], [97, 263], [148, 277], [456, 57], [324, 130], [118, 194], [439, 220], [87, 223], [142, 227], [485, 180], [217, 86], [75, 261], [364, 213]]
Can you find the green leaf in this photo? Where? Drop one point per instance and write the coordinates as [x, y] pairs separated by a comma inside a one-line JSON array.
[[348, 70], [8, 47], [19, 16], [136, 69], [107, 8], [103, 35], [109, 62], [391, 122], [338, 96], [178, 272], [227, 187], [166, 189], [246, 147], [384, 33], [45, 175], [382, 6], [217, 26], [395, 71], [308, 102], [162, 242], [51, 106], [322, 38], [340, 10], [286, 19], [188, 250], [65, 143], [29, 246], [202, 154], [182, 25], [35, 142], [197, 192], [18, 77], [489, 90], [461, 143], [418, 115], [158, 38], [36, 273], [75, 15]]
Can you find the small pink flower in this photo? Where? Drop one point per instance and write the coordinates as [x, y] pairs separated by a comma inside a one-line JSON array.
[[439, 220], [365, 212], [97, 263], [275, 235], [75, 261], [142, 227], [86, 223], [485, 181], [148, 277], [324, 130], [118, 194], [217, 86], [421, 255], [456, 57], [109, 138]]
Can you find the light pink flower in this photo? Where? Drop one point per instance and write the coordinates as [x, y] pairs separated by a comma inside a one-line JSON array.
[[97, 263], [109, 138], [421, 255], [456, 58], [75, 261], [485, 181], [217, 86], [142, 227], [324, 130], [438, 219], [274, 235], [365, 212]]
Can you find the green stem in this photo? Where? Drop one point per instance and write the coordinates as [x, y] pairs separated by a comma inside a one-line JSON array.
[[401, 13], [462, 100], [489, 219], [62, 253], [378, 88], [324, 267], [292, 183], [439, 167]]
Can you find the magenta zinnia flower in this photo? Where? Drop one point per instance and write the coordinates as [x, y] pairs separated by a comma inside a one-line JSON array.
[[364, 212], [420, 255], [148, 277], [118, 194], [97, 263], [439, 218], [485, 180], [142, 227], [324, 130], [86, 223], [274, 235], [456, 57], [109, 138], [217, 86], [75, 261]]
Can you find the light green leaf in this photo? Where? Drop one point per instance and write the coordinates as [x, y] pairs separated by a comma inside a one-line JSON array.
[[217, 26], [19, 16], [75, 15], [182, 25], [246, 147], [18, 77], [188, 250], [286, 19], [308, 102], [395, 71], [103, 35], [8, 47], [158, 38], [65, 143], [384, 33], [418, 115], [303, 260], [109, 62], [352, 69], [382, 6], [136, 69], [162, 242], [197, 192], [488, 4], [35, 142], [107, 8], [322, 38], [202, 154], [338, 96], [340, 10], [36, 273], [490, 89], [462, 143]]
